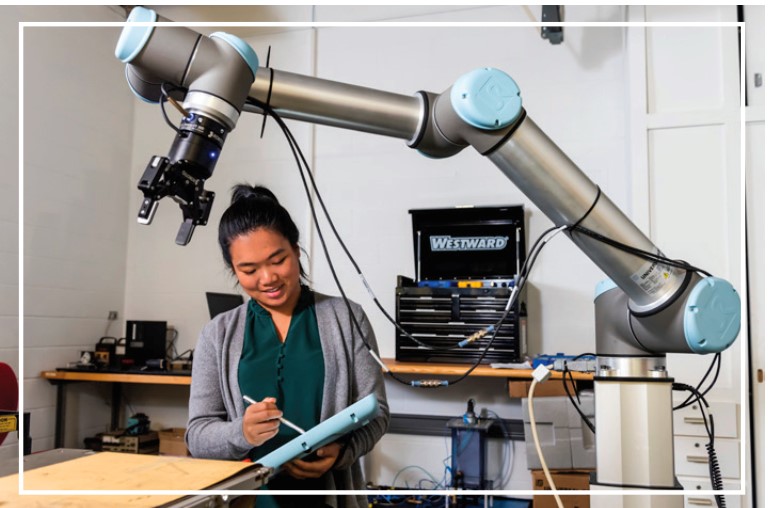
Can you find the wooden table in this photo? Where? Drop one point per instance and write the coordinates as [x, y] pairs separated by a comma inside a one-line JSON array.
[[61, 378]]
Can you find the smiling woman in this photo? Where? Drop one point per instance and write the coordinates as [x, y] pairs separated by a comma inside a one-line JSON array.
[[267, 268], [289, 348], [259, 242]]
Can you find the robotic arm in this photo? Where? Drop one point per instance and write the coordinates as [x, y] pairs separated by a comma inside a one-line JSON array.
[[654, 308], [650, 306]]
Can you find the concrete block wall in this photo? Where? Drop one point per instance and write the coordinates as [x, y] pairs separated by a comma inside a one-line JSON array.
[[77, 133]]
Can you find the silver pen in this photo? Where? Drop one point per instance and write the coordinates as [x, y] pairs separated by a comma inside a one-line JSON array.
[[282, 420]]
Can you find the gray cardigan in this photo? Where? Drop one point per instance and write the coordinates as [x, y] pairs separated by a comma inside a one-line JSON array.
[[215, 428]]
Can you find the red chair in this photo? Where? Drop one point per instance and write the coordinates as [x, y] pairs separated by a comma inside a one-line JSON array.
[[9, 394]]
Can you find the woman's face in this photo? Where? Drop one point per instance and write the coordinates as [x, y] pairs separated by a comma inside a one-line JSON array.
[[267, 267]]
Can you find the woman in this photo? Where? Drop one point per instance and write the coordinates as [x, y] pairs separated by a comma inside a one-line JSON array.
[[294, 351]]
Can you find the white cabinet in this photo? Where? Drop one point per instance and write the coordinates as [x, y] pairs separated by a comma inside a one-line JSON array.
[[688, 421], [703, 500], [691, 458]]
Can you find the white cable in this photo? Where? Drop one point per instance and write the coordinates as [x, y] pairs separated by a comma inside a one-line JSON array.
[[378, 360], [540, 375]]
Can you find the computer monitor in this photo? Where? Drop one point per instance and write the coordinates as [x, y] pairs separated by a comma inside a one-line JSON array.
[[222, 302]]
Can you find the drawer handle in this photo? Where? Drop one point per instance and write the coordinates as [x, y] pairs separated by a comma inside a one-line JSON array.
[[697, 459], [694, 420], [700, 501]]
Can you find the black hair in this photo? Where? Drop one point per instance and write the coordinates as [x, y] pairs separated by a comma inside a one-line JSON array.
[[252, 208]]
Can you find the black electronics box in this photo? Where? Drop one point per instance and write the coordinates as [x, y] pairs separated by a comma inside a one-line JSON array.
[[105, 353], [118, 441], [466, 259], [144, 340], [468, 243]]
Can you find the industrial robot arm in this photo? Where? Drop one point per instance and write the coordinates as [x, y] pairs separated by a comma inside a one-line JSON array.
[[651, 307]]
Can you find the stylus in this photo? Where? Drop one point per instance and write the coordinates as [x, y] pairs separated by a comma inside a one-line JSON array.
[[283, 420]]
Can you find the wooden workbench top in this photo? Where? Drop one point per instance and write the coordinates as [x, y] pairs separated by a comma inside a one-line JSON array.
[[117, 377], [457, 369]]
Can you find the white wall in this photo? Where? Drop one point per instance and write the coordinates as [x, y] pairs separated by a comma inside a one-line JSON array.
[[78, 121]]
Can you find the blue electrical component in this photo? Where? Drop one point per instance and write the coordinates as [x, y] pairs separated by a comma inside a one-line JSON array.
[[555, 359], [436, 284], [477, 335], [474, 283], [429, 383]]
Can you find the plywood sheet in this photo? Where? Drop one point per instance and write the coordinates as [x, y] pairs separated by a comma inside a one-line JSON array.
[[117, 471]]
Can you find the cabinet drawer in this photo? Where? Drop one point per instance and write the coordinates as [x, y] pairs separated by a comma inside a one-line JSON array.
[[691, 456], [704, 501], [689, 422]]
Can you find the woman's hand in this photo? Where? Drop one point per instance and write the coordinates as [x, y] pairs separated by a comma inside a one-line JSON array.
[[326, 457], [261, 421]]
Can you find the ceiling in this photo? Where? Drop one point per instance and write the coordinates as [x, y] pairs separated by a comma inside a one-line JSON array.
[[292, 13]]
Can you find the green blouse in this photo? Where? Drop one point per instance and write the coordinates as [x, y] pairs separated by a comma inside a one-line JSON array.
[[291, 371]]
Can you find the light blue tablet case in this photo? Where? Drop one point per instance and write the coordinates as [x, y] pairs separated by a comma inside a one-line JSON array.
[[352, 418]]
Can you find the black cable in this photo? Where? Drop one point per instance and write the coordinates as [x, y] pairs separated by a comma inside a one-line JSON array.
[[351, 258], [163, 100], [589, 210], [520, 284], [584, 417], [639, 252], [297, 153], [691, 398], [627, 248], [170, 348], [485, 350], [653, 257], [305, 167], [181, 355], [269, 90], [535, 250]]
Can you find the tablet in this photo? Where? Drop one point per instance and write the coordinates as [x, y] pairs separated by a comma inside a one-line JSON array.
[[352, 418]]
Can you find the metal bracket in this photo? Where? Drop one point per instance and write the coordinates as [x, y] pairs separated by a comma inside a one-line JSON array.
[[552, 14]]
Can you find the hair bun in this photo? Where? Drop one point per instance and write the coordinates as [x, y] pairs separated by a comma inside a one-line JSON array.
[[245, 191]]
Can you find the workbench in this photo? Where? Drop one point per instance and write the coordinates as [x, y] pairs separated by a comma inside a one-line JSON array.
[[62, 377]]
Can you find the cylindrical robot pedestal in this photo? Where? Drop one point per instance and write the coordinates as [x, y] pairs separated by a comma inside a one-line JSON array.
[[634, 443], [634, 438], [634, 501]]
